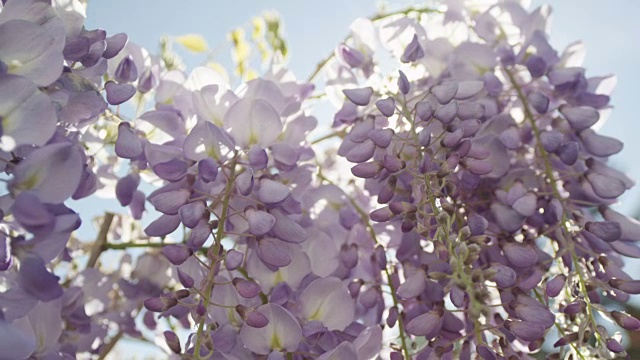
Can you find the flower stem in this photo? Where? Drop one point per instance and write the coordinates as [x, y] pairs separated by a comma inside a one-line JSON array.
[[101, 240], [216, 248], [556, 193]]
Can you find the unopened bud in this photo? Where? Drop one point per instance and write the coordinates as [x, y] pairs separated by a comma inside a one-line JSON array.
[[614, 346], [574, 308], [160, 304], [463, 252], [246, 288], [626, 321], [354, 287], [442, 218], [182, 293], [465, 232], [173, 342], [448, 207]]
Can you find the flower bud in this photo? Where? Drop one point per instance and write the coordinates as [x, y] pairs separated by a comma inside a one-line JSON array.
[[246, 288], [182, 293], [425, 112], [424, 137], [359, 97], [427, 324], [555, 285], [485, 352], [200, 309], [392, 317], [381, 215], [446, 113], [233, 259], [463, 252], [381, 137], [186, 280], [177, 254], [605, 230], [413, 51], [503, 276], [380, 257], [173, 342], [442, 218], [349, 255], [567, 339], [526, 330], [149, 320], [445, 92], [538, 101], [614, 346], [126, 70], [160, 304], [626, 321], [386, 106], [251, 317], [574, 308], [369, 298], [392, 164], [465, 232], [366, 170], [207, 169], [403, 83], [350, 56], [628, 286], [354, 287]]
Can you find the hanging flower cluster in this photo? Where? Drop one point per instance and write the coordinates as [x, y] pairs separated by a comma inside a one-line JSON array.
[[475, 220]]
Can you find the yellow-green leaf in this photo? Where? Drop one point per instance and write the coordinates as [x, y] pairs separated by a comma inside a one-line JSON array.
[[193, 42]]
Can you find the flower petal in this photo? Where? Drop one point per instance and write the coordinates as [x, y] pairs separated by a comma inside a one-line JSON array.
[[118, 93], [52, 172], [520, 255], [271, 252], [359, 97], [283, 332], [328, 301], [605, 230], [427, 324], [445, 92], [30, 51], [604, 186], [272, 192], [286, 229], [162, 226], [37, 280], [170, 202], [580, 117], [260, 222], [24, 108], [253, 121], [128, 144]]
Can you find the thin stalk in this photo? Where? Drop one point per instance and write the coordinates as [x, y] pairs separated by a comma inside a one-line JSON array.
[[110, 345], [556, 193], [216, 248], [101, 240]]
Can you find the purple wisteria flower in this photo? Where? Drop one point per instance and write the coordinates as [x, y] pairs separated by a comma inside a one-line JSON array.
[[476, 220]]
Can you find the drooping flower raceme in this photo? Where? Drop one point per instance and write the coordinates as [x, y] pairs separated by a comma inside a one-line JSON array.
[[474, 219], [481, 154]]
